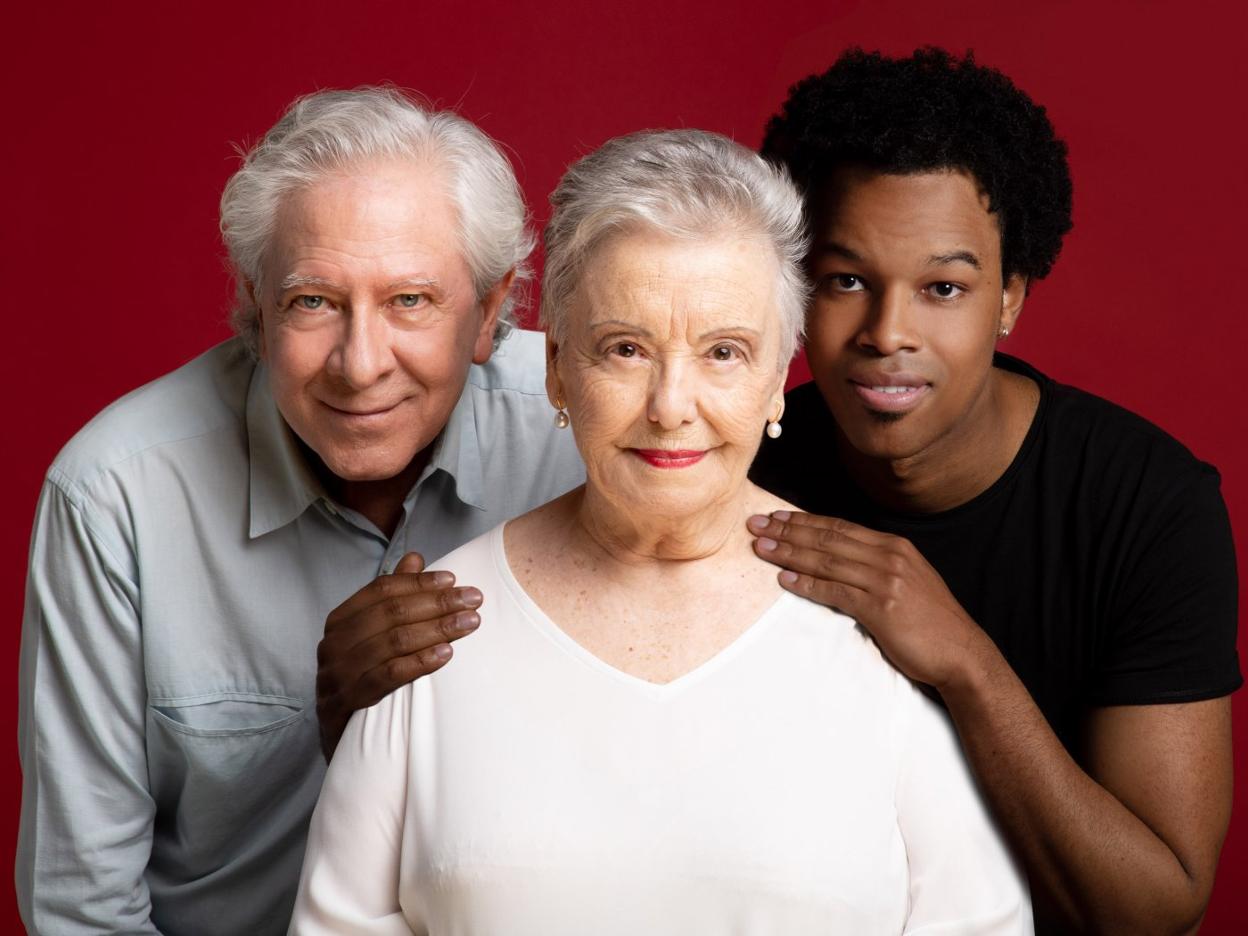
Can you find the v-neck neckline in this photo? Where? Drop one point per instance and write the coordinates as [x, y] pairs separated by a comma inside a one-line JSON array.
[[545, 625]]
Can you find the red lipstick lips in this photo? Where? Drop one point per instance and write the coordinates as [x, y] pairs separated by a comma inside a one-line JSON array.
[[669, 458]]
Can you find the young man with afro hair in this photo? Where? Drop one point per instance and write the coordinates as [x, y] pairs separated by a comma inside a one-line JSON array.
[[1058, 569]]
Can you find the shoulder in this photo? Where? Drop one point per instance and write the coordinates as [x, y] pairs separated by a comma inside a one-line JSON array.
[[205, 396], [475, 558], [1108, 447], [518, 365]]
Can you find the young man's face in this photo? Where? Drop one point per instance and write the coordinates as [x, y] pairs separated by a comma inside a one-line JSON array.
[[908, 305]]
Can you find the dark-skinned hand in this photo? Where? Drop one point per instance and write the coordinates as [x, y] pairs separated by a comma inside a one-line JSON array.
[[883, 582], [395, 629]]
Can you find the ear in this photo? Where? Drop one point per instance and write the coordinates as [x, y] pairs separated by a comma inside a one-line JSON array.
[[491, 306], [1012, 298], [554, 386], [261, 348]]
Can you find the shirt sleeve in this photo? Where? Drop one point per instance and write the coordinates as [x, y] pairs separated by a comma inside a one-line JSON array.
[[1171, 637], [85, 833], [962, 878], [350, 878]]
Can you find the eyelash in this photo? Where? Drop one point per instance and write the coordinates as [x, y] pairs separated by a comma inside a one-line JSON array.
[[835, 278]]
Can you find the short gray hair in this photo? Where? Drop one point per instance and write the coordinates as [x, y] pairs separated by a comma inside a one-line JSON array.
[[680, 183], [332, 131]]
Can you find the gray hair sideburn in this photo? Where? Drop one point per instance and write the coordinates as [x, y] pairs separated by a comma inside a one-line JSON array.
[[334, 131], [689, 184]]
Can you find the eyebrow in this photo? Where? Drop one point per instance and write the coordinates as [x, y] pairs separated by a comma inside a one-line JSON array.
[[413, 282], [839, 250], [958, 256], [631, 326], [724, 330], [291, 280]]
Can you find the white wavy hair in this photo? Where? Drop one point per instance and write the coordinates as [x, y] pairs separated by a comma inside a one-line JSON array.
[[332, 131], [681, 183]]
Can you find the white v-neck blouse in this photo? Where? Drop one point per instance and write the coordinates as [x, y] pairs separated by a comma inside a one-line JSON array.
[[793, 784]]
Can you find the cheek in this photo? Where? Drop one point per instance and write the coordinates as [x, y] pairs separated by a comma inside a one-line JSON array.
[[829, 329], [294, 359], [606, 410]]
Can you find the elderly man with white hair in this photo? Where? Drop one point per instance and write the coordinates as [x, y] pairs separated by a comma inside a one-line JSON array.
[[199, 538]]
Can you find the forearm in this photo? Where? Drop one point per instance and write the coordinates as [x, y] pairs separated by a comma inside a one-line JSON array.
[[1090, 859]]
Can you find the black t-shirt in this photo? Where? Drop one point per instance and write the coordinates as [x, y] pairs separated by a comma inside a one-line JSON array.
[[1101, 562]]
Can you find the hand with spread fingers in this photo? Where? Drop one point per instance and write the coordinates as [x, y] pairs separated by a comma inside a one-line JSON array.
[[880, 580], [392, 631]]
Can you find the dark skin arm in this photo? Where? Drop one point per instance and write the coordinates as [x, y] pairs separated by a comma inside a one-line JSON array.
[[1124, 841], [395, 629]]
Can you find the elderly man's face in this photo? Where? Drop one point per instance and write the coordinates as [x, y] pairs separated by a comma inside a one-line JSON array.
[[369, 318], [671, 368]]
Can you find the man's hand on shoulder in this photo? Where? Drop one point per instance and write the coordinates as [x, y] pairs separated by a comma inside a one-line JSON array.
[[392, 631], [884, 583]]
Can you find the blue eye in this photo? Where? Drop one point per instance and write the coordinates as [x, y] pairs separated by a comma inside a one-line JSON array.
[[312, 303], [411, 300]]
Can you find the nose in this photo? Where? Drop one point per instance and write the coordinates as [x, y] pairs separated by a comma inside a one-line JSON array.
[[363, 355], [890, 325], [673, 393]]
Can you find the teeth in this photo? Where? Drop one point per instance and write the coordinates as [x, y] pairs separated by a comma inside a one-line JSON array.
[[891, 389]]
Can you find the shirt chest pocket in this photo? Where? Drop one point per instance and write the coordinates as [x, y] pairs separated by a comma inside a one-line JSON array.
[[223, 767]]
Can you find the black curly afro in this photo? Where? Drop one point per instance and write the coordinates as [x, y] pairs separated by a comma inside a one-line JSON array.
[[927, 112]]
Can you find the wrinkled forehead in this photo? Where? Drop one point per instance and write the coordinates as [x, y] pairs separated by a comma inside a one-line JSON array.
[[675, 286]]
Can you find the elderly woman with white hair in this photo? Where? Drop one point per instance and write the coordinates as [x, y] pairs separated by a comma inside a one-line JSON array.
[[647, 735]]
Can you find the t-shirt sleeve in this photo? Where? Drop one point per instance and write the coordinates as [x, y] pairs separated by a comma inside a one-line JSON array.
[[350, 878], [1174, 611]]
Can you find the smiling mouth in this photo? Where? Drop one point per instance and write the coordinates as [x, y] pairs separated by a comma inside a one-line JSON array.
[[670, 458], [891, 399], [360, 414]]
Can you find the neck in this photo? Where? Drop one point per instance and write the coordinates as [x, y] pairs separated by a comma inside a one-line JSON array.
[[962, 464], [380, 501], [633, 537]]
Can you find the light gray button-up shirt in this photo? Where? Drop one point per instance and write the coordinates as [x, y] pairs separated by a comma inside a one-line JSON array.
[[183, 563]]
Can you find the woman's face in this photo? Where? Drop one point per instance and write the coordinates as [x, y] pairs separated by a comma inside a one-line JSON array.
[[670, 368]]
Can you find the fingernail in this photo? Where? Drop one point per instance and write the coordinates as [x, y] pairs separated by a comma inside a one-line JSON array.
[[788, 578], [443, 580], [782, 514], [470, 597], [442, 652], [467, 621], [766, 544], [758, 522]]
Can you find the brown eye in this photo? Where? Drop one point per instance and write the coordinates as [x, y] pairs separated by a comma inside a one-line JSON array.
[[625, 349], [724, 352], [847, 282], [946, 290]]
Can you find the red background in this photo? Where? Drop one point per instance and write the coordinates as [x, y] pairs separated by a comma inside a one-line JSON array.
[[120, 122]]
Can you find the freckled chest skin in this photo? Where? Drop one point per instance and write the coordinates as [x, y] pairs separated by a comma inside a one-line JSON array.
[[671, 345], [368, 378], [885, 310]]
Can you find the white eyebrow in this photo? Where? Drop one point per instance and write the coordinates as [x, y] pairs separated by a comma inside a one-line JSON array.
[[291, 280], [413, 282]]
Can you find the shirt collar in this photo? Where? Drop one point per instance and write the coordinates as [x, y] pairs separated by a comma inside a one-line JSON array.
[[283, 486], [457, 451]]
